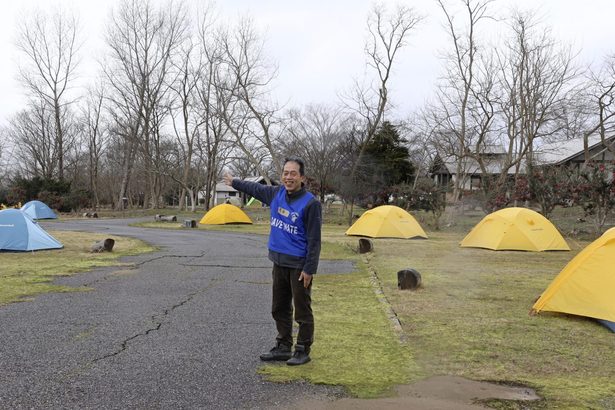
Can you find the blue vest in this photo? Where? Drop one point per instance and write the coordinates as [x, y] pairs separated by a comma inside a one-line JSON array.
[[288, 234]]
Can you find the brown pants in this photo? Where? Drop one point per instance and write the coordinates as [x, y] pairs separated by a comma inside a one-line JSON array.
[[288, 291]]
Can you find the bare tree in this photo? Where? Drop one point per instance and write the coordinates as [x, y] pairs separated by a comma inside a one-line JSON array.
[[249, 113], [142, 41], [199, 99], [241, 167], [49, 44], [387, 35], [31, 131], [155, 151], [214, 102], [491, 97], [72, 145], [421, 138], [600, 112], [315, 134], [214, 145], [536, 74], [186, 120], [4, 168], [465, 111], [96, 132], [6, 155], [3, 140]]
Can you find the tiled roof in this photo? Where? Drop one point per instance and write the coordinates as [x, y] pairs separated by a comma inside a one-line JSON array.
[[561, 151], [470, 165], [222, 187]]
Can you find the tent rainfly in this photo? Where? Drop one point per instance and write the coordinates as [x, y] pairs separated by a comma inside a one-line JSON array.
[[20, 233], [387, 221], [38, 210], [585, 286], [515, 229], [253, 202], [225, 214]]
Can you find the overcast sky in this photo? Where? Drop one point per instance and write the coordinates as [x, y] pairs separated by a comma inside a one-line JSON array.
[[318, 44]]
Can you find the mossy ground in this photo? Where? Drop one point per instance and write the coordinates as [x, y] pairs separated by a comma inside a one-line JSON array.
[[26, 274], [471, 318], [355, 346]]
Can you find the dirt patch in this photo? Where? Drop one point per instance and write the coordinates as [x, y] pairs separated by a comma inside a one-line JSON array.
[[439, 392]]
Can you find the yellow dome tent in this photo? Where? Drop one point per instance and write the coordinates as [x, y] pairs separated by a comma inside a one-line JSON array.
[[518, 229], [387, 221], [585, 286], [225, 214]]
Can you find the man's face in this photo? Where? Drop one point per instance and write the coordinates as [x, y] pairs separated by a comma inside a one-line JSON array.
[[291, 178]]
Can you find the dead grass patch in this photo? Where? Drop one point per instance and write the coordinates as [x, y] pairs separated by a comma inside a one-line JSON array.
[[470, 318], [26, 274]]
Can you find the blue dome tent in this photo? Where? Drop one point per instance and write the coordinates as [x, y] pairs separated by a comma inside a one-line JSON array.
[[38, 210], [20, 233]]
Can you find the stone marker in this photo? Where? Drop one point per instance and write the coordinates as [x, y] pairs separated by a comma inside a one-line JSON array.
[[365, 245], [105, 245], [165, 218], [408, 279]]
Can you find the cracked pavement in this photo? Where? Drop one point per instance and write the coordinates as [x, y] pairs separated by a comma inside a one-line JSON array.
[[178, 328]]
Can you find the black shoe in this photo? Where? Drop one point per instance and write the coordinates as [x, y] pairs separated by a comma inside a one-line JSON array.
[[279, 352], [301, 356]]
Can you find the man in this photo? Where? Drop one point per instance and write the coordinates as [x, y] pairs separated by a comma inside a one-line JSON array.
[[294, 249]]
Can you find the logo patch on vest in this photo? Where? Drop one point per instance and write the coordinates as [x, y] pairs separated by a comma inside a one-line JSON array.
[[283, 212], [294, 216]]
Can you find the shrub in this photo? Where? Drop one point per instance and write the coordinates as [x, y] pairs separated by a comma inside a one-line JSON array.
[[594, 190], [426, 196]]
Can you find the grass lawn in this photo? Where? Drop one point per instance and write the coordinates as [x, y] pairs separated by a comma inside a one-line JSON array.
[[26, 274], [470, 318]]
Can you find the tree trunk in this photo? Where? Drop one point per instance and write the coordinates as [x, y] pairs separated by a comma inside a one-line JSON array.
[[59, 140], [127, 167]]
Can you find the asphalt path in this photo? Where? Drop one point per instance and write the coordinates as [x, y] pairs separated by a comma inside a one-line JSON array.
[[180, 328]]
